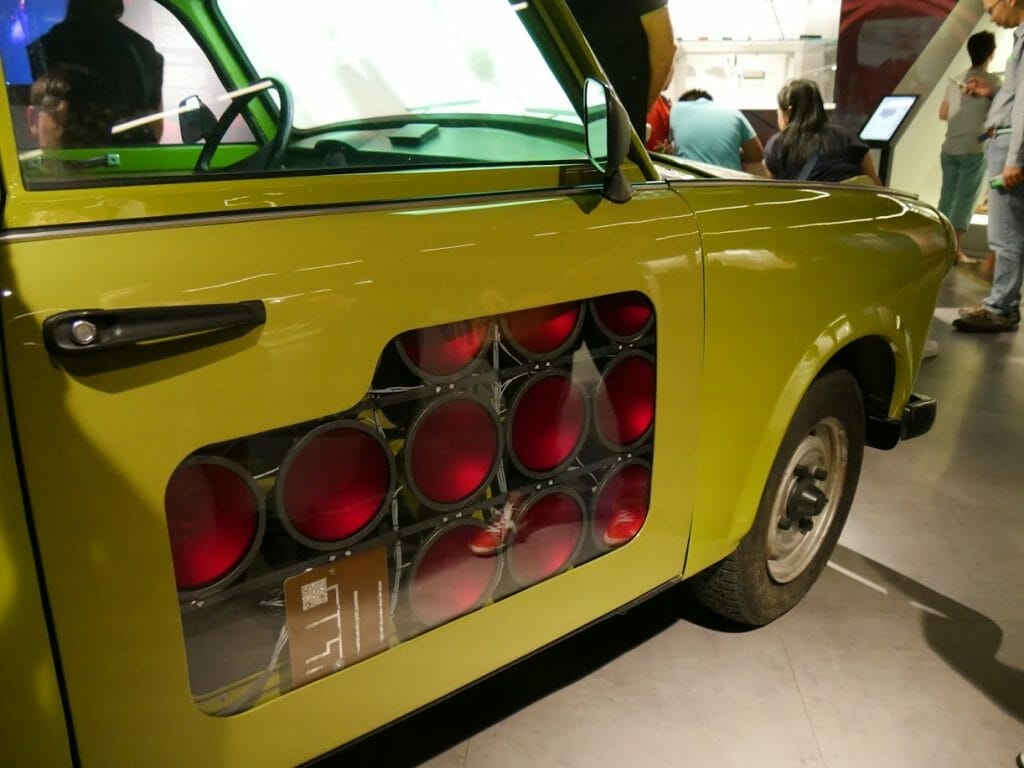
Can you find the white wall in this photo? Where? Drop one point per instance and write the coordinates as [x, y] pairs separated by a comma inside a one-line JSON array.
[[754, 19]]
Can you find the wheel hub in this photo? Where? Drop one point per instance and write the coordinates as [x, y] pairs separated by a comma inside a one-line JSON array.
[[806, 500]]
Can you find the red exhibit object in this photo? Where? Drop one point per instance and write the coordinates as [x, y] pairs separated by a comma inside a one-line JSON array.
[[621, 503], [623, 317], [452, 451], [447, 579], [547, 422], [444, 352], [542, 333], [215, 519], [334, 484], [549, 535], [625, 400]]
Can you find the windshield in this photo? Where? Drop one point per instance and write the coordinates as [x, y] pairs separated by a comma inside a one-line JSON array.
[[444, 56]]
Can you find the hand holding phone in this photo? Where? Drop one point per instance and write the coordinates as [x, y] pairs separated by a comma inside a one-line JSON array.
[[958, 83]]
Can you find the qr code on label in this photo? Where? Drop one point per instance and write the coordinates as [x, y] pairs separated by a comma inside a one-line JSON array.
[[314, 594]]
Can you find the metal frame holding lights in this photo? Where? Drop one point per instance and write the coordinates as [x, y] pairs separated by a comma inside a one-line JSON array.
[[488, 455]]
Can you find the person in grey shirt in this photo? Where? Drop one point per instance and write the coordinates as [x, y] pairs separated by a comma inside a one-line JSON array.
[[1000, 311], [963, 151]]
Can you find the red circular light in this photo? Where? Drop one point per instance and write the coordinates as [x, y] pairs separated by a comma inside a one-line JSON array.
[[452, 451], [334, 484], [214, 519], [549, 534], [625, 400], [621, 503], [448, 580], [547, 422], [624, 316], [444, 352], [543, 332]]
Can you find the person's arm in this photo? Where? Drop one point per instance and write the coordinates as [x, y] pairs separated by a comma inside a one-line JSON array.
[[1013, 172], [944, 110], [771, 156], [752, 157], [978, 87], [867, 167], [661, 50]]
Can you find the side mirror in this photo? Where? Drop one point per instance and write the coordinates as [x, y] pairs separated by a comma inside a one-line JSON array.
[[196, 120], [608, 136]]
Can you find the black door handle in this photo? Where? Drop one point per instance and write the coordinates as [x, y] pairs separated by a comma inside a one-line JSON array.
[[84, 331]]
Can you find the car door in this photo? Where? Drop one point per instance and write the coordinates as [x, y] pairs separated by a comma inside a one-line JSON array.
[[270, 415]]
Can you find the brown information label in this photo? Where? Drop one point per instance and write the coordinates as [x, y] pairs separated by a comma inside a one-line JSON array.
[[337, 614]]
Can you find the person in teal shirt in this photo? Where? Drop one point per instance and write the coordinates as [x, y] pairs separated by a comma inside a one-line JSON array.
[[963, 151], [712, 133]]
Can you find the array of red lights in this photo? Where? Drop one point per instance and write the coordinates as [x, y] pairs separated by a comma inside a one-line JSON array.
[[544, 415]]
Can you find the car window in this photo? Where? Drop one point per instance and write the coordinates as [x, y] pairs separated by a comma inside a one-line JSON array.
[[326, 87], [78, 83], [446, 56]]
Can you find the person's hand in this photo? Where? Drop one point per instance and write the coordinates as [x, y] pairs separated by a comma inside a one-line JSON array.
[[665, 146], [1012, 176], [978, 87]]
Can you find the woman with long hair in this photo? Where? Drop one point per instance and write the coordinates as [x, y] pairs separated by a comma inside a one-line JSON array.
[[808, 146]]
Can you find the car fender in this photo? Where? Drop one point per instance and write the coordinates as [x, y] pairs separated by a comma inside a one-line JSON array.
[[799, 277]]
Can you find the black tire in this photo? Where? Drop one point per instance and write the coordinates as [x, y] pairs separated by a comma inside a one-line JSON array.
[[784, 552]]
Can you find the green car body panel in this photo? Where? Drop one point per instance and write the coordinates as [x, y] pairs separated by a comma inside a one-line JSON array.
[[756, 288]]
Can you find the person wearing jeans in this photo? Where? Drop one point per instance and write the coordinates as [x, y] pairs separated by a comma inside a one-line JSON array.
[[1000, 311], [963, 150]]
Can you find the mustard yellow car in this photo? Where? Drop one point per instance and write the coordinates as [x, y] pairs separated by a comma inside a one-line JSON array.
[[352, 352]]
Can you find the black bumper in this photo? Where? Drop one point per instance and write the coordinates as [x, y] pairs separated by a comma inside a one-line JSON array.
[[918, 417]]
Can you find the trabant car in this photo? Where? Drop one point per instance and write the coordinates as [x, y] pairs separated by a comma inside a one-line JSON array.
[[373, 353]]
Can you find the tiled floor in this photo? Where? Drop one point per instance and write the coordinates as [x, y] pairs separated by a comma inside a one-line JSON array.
[[908, 653]]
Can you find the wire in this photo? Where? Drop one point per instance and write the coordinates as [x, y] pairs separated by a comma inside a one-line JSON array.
[[252, 695]]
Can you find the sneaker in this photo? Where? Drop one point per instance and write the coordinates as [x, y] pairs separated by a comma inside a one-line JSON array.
[[966, 311], [931, 349], [984, 320], [979, 309], [624, 525], [493, 539]]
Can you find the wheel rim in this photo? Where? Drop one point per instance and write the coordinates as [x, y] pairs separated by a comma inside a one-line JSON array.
[[807, 499]]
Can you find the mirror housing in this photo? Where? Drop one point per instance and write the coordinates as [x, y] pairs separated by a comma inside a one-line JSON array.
[[196, 120], [608, 136]]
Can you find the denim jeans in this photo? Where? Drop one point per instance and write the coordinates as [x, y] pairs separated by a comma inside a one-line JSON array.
[[961, 184], [1005, 232]]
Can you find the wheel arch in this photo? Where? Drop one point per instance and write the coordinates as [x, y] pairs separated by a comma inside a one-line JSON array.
[[873, 362]]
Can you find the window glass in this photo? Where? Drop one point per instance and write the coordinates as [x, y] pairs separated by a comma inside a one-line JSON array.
[[87, 75], [335, 86], [422, 57]]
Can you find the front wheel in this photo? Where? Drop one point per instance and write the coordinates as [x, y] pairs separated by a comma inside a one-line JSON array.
[[802, 511]]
